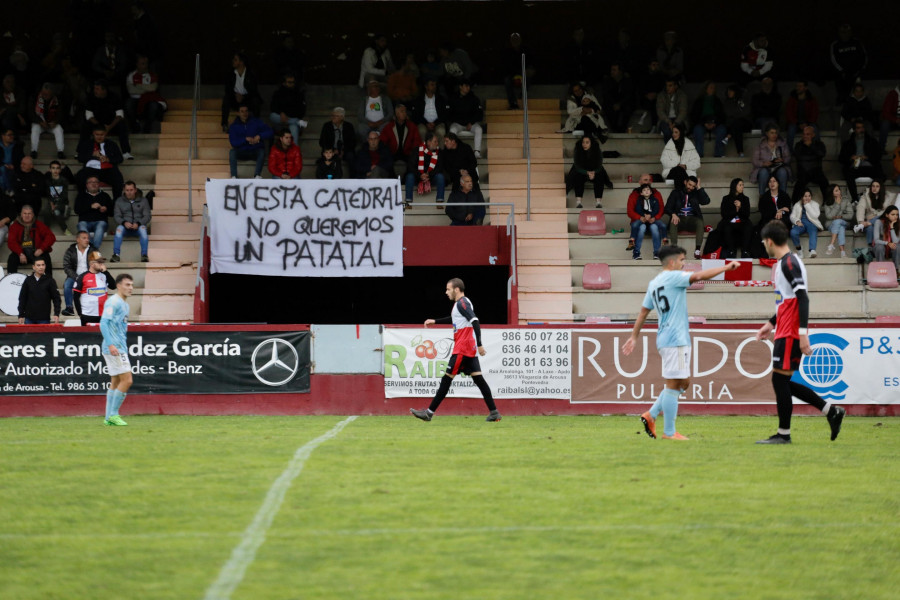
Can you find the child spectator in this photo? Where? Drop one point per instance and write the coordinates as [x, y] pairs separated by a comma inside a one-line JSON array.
[[328, 166], [57, 188]]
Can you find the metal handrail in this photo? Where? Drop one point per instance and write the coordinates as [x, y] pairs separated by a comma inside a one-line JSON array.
[[526, 141], [201, 255], [192, 144]]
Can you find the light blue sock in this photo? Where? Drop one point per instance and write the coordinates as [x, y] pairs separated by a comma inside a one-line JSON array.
[[118, 399], [109, 402], [657, 406], [669, 401]]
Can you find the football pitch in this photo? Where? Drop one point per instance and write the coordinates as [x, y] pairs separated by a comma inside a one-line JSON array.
[[394, 508]]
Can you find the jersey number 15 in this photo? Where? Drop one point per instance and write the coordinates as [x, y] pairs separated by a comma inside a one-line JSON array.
[[662, 303]]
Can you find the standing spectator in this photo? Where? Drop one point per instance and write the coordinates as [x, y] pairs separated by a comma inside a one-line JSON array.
[[45, 116], [376, 61], [75, 93], [289, 105], [456, 66], [890, 115], [109, 61], [618, 98], [90, 290], [38, 293], [100, 158], [737, 117], [581, 58], [338, 135], [708, 116], [625, 53], [511, 61], [466, 114], [683, 208], [75, 262], [870, 206], [671, 108], [375, 110], [765, 105], [587, 165], [649, 85], [12, 105], [29, 187], [285, 159], [145, 106], [671, 57], [584, 113], [460, 208], [736, 227], [838, 216], [241, 87], [11, 154], [246, 135], [288, 58], [28, 240], [374, 160], [104, 109], [772, 157], [402, 84], [427, 168], [755, 62], [809, 153], [887, 237], [328, 166], [774, 204], [645, 210], [857, 106], [7, 216], [146, 34], [132, 215], [802, 109], [401, 136], [430, 110], [848, 59], [805, 218], [679, 157], [459, 161], [93, 208], [860, 157]]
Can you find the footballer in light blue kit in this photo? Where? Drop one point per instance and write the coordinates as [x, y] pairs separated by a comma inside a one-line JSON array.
[[667, 295], [114, 326]]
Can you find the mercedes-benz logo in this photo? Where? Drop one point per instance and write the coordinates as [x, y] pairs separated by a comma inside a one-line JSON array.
[[277, 362]]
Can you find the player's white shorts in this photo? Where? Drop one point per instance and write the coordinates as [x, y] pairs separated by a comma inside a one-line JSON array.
[[116, 365], [676, 362]]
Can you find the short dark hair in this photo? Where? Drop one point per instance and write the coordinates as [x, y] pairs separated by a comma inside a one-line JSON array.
[[692, 178], [39, 258], [776, 231], [430, 136], [80, 231], [667, 252], [122, 277], [130, 182], [457, 283], [102, 83], [453, 137], [99, 127], [55, 162]]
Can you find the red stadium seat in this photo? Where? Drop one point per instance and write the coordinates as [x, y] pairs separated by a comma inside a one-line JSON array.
[[592, 222], [693, 267], [881, 275], [887, 319], [596, 276]]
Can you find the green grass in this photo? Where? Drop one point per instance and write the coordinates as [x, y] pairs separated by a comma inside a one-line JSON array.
[[393, 508]]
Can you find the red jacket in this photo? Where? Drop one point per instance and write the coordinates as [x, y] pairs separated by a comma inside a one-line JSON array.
[[812, 110], [889, 108], [290, 161], [410, 145], [632, 202], [41, 235]]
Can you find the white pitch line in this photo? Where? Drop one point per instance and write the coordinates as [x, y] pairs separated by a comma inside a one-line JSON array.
[[244, 553]]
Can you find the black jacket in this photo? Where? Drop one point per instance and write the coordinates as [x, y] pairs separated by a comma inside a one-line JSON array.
[[697, 117], [695, 200], [728, 211], [104, 109], [70, 260], [85, 151], [348, 135], [30, 188], [461, 158], [871, 148], [251, 84], [291, 102], [86, 213], [809, 157], [767, 208], [766, 106], [466, 109], [417, 114], [456, 211], [35, 298], [334, 169]]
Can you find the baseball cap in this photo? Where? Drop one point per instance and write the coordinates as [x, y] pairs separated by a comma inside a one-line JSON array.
[[95, 256]]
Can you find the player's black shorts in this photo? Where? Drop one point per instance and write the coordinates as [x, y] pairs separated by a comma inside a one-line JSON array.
[[786, 354], [463, 364]]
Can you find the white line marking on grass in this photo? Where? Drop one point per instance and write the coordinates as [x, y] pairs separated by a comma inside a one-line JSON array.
[[244, 553]]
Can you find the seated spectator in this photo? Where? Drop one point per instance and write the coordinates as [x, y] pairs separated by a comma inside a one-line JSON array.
[[146, 34], [37, 294], [100, 158], [338, 135], [805, 218], [581, 58], [246, 135], [890, 115], [289, 106], [285, 159], [511, 68], [402, 84], [288, 58], [671, 57], [56, 185], [645, 209], [104, 109], [618, 98], [774, 203], [109, 61], [7, 216], [756, 65], [29, 187], [132, 215], [587, 165], [75, 262], [45, 116], [838, 216], [683, 208], [430, 110], [28, 240], [241, 87], [736, 227], [374, 160], [401, 136], [431, 67], [679, 157], [456, 66], [466, 114], [809, 153], [90, 291], [671, 108], [708, 116], [887, 237], [869, 208], [772, 157], [145, 106], [848, 59], [627, 54], [765, 105], [12, 105], [459, 160], [426, 170], [857, 106], [376, 63], [11, 154], [860, 157], [648, 86], [375, 110], [459, 205], [93, 208], [737, 118], [328, 166], [584, 113], [802, 109]]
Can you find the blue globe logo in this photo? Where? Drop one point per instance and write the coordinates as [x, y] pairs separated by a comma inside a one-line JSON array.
[[823, 367]]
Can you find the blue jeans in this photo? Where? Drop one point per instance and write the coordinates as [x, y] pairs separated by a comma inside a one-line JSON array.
[[437, 180], [781, 175], [838, 227], [292, 124], [720, 132], [257, 154], [30, 322], [870, 234], [666, 131], [657, 234], [68, 294], [810, 229], [121, 232], [97, 228]]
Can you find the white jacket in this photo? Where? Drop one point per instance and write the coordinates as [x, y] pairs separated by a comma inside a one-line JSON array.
[[367, 67], [812, 213], [689, 158]]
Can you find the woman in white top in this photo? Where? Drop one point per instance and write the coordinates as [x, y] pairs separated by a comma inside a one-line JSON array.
[[838, 215], [805, 217], [679, 157], [887, 236], [869, 208]]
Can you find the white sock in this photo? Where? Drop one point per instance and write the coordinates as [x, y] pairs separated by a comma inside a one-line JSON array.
[[826, 409], [784, 431]]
